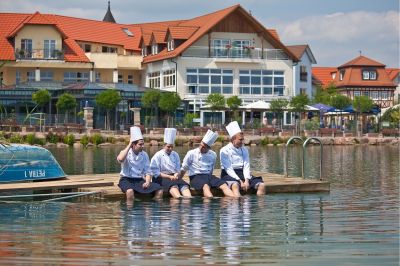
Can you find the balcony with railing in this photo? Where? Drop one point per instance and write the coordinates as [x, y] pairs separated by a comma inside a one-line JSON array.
[[39, 54], [228, 52]]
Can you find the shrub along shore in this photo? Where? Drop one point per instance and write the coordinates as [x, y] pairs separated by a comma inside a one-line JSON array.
[[51, 139]]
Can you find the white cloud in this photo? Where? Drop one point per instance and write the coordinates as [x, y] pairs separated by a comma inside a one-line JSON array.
[[333, 37]]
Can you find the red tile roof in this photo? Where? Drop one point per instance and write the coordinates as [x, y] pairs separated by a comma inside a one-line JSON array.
[[85, 30], [362, 61], [181, 33], [393, 72], [353, 74], [297, 50], [206, 22], [324, 74]]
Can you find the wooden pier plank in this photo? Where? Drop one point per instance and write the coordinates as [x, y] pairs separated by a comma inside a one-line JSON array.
[[107, 184]]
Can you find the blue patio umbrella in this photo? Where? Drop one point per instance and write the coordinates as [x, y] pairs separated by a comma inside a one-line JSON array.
[[323, 108]]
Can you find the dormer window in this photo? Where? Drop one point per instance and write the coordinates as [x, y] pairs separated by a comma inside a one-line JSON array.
[[171, 45], [154, 48], [341, 74], [144, 51], [369, 75]]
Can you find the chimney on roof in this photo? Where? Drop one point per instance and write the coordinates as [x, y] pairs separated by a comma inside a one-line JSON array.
[[109, 17]]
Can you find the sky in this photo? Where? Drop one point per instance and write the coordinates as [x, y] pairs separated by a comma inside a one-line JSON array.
[[336, 31]]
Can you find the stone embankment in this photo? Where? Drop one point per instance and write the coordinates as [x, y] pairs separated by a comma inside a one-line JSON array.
[[110, 138]]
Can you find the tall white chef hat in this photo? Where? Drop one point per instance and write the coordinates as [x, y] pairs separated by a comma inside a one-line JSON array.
[[210, 137], [169, 135], [136, 133], [233, 128]]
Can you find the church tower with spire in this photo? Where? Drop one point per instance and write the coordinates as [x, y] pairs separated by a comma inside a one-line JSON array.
[[108, 16]]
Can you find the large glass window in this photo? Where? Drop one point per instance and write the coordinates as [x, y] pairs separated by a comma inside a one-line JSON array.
[[154, 80], [169, 78], [46, 75], [76, 76], [49, 48], [205, 80], [30, 76], [240, 48], [221, 47], [26, 48], [267, 82]]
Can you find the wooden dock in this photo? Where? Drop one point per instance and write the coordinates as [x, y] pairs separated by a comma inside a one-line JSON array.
[[107, 184]]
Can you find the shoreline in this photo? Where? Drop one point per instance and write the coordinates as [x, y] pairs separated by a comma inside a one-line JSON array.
[[107, 138]]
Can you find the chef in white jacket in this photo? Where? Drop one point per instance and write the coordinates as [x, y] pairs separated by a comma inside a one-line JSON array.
[[135, 175], [200, 164], [235, 165], [165, 167]]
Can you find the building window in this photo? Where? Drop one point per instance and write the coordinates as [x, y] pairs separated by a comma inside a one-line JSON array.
[[221, 47], [130, 79], [369, 75], [374, 95], [384, 95], [269, 82], [154, 80], [241, 48], [87, 48], [206, 80], [49, 48], [357, 93], [30, 76], [341, 74], [154, 48], [26, 48], [76, 77], [171, 45], [144, 51], [169, 78], [108, 49], [98, 77], [120, 78], [303, 73], [46, 75]]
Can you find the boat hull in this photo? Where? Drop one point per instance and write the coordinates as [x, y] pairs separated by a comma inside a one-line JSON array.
[[27, 163]]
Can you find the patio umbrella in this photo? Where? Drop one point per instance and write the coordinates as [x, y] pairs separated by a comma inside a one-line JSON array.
[[323, 108]]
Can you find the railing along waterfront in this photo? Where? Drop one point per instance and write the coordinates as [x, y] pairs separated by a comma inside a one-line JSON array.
[[235, 53]]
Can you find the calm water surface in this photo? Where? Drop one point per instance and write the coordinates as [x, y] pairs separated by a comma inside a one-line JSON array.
[[357, 223]]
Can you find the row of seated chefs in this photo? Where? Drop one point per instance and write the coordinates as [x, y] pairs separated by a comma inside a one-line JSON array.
[[137, 170]]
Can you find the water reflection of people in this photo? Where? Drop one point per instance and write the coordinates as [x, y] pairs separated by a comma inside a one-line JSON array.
[[165, 166], [200, 163], [135, 168], [235, 164]]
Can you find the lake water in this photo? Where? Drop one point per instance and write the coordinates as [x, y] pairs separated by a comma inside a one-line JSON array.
[[357, 223]]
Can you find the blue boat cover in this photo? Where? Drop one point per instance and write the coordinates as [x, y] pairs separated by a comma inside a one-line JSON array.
[[24, 163]]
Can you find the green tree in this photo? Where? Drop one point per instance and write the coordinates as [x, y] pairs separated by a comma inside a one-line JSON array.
[[324, 95], [340, 101], [66, 103], [362, 104], [233, 103], [41, 97], [216, 101], [169, 102], [108, 99], [298, 104], [150, 100], [278, 106]]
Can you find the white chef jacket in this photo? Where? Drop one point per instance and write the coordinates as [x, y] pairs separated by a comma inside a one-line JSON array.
[[235, 158], [135, 166], [199, 163], [163, 162]]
